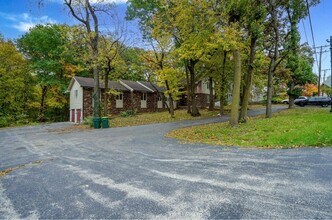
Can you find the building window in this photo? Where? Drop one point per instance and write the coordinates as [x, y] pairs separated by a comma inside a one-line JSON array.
[[119, 96], [143, 96], [159, 98], [76, 93], [208, 85]]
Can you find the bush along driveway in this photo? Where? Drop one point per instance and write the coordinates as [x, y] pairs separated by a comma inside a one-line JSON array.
[[135, 172]]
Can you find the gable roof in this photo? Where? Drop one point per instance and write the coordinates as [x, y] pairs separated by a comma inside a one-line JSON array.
[[122, 85], [152, 86], [89, 83], [327, 82], [135, 86]]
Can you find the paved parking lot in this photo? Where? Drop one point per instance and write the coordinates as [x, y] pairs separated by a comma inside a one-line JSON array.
[[135, 172]]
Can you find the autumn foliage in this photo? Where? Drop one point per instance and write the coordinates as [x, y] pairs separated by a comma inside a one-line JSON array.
[[309, 90]]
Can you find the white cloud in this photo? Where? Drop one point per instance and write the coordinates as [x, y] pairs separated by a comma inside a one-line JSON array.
[[23, 26], [23, 22]]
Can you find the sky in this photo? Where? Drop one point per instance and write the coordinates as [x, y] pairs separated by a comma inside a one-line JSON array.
[[17, 16]]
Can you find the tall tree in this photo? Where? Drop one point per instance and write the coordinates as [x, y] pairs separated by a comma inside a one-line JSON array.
[[86, 12], [188, 23], [235, 13], [109, 60], [254, 20], [274, 32], [165, 71], [191, 24], [296, 10], [16, 83], [43, 46]]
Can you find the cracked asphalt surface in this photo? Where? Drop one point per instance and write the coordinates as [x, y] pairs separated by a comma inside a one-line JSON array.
[[135, 172]]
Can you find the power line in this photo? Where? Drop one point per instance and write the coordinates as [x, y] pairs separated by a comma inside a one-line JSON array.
[[305, 32], [312, 33]]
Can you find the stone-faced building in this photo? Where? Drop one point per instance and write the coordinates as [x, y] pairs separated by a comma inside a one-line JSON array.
[[140, 96], [202, 94]]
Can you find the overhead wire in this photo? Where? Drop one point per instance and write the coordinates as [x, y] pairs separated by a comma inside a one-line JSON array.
[[312, 34], [305, 32]]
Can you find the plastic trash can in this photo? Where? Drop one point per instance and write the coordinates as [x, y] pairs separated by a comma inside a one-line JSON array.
[[96, 122]]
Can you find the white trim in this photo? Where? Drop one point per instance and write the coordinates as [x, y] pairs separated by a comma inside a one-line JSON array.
[[145, 86], [125, 85], [71, 84], [81, 115]]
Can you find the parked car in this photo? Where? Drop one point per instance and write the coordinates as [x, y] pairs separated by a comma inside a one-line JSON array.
[[286, 101], [323, 101], [300, 98]]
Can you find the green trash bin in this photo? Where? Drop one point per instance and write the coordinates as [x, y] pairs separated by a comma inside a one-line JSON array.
[[104, 122], [96, 122]]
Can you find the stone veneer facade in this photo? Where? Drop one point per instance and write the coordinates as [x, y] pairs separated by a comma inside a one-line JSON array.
[[87, 102], [127, 102], [202, 100]]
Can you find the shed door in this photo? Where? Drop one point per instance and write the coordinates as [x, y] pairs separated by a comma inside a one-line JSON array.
[[78, 115], [73, 115]]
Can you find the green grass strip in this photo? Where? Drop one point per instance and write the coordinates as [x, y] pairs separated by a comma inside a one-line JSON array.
[[311, 127]]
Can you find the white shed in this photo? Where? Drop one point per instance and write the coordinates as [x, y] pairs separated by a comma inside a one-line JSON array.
[[76, 101]]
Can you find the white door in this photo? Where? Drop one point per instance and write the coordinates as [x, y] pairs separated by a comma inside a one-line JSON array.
[[143, 100], [119, 101]]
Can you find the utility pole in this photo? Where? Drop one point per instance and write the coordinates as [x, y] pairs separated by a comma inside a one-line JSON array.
[[324, 75], [330, 41], [320, 68]]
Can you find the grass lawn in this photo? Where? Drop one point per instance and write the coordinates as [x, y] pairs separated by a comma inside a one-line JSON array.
[[162, 117], [157, 117], [303, 127]]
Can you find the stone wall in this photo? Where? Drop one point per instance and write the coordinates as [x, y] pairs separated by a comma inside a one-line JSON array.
[[201, 100], [87, 102], [151, 102], [127, 102]]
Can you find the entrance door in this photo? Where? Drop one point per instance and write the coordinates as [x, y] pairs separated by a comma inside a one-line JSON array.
[[73, 115], [78, 115]]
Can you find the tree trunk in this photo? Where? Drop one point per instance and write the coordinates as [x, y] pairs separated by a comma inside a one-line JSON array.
[[270, 89], [188, 88], [83, 16], [234, 119], [194, 109], [273, 60], [291, 97], [223, 86], [170, 101], [41, 116], [106, 94], [211, 96], [96, 88], [248, 81]]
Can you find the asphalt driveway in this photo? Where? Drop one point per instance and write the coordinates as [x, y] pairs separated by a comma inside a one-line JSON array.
[[135, 172]]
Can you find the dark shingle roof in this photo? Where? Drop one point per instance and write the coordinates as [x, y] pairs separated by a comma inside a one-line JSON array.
[[140, 86], [89, 83], [153, 86], [135, 86]]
